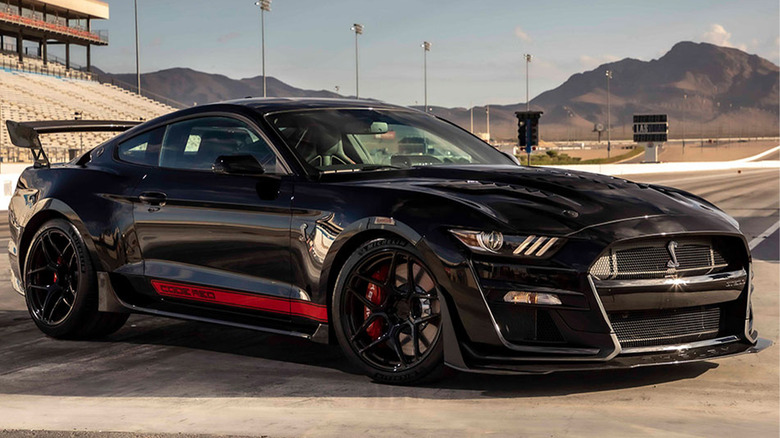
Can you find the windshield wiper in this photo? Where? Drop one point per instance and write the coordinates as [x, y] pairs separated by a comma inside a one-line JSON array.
[[361, 168], [380, 166]]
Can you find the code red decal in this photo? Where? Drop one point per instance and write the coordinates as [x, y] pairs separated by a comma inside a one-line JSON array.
[[306, 309]]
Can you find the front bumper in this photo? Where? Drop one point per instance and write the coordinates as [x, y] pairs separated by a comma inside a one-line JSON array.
[[586, 339]]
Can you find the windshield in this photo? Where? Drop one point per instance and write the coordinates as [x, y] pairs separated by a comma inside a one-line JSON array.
[[366, 139]]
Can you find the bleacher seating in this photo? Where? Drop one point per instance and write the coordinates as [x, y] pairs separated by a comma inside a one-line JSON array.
[[31, 96]]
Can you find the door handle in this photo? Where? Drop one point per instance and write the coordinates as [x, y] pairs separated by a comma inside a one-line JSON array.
[[153, 198]]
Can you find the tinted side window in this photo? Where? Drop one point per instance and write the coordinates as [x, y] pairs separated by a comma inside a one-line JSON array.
[[141, 149], [196, 144]]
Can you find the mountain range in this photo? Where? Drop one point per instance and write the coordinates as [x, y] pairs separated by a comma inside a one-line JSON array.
[[705, 89]]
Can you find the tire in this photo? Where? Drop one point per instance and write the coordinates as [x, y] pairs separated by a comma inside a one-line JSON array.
[[390, 330], [61, 285]]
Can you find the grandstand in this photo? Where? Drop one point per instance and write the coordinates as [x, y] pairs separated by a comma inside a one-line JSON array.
[[40, 87], [29, 96]]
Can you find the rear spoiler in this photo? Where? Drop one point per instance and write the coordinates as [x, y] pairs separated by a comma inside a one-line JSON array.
[[25, 134]]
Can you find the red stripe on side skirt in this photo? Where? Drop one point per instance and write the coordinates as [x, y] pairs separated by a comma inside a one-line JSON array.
[[245, 300]]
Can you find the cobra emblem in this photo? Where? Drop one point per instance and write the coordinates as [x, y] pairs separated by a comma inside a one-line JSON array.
[[672, 263]]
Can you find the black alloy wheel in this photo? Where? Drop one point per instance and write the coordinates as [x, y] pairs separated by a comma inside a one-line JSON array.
[[52, 277], [388, 313], [61, 285]]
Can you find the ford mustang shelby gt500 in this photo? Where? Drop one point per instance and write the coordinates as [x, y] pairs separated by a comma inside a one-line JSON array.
[[403, 238]]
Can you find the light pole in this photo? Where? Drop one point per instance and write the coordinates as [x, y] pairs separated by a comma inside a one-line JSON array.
[[472, 118], [571, 117], [731, 131], [487, 117], [78, 115], [720, 128], [265, 6], [527, 101], [701, 125], [426, 48], [137, 54], [358, 29], [609, 117], [685, 101]]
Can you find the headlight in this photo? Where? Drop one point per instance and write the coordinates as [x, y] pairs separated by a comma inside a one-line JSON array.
[[493, 242]]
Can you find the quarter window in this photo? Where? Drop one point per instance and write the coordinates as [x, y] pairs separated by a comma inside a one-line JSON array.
[[196, 144], [141, 149]]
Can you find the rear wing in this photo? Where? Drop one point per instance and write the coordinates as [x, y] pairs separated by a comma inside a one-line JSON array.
[[25, 134]]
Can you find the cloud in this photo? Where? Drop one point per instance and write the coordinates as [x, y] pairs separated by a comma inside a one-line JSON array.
[[520, 33], [156, 42], [595, 61], [719, 36], [228, 36]]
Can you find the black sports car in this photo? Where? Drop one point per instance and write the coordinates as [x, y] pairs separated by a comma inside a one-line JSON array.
[[400, 236]]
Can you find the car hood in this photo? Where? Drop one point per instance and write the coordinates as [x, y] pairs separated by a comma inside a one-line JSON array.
[[546, 200]]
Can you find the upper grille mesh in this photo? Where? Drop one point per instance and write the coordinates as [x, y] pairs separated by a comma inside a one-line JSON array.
[[651, 260]]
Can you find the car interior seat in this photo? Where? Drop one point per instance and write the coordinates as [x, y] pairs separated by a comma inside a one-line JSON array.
[[321, 147]]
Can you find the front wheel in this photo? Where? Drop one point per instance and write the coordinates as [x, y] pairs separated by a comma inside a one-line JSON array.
[[387, 313]]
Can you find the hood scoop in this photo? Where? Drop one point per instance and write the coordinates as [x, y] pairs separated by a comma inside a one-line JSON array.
[[504, 189]]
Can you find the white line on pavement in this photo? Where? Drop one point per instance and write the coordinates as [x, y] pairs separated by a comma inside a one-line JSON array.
[[761, 155], [761, 237]]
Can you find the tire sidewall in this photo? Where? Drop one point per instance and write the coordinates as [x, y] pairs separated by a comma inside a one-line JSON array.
[[85, 302], [428, 365]]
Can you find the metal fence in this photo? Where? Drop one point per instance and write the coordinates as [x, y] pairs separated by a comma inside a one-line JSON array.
[[53, 69]]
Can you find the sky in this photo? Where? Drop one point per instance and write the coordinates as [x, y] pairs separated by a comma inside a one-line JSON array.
[[477, 46]]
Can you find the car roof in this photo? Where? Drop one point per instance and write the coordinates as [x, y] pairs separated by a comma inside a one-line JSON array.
[[272, 104]]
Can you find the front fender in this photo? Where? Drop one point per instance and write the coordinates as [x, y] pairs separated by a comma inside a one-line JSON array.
[[353, 235]]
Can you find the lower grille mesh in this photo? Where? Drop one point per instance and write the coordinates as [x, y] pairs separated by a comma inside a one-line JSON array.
[[646, 329]]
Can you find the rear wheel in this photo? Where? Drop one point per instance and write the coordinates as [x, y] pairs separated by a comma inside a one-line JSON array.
[[386, 313], [61, 287]]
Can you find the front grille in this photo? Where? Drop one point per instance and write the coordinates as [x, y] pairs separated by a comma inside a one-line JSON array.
[[652, 259], [666, 327]]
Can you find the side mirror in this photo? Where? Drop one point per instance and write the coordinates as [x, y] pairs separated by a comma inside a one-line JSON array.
[[511, 157], [244, 164]]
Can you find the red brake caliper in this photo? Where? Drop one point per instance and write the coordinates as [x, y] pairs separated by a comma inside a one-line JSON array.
[[59, 262], [376, 295]]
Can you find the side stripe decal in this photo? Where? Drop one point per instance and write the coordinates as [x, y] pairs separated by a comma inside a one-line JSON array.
[[306, 309]]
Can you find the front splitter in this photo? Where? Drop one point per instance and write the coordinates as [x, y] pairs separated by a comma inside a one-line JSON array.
[[512, 365]]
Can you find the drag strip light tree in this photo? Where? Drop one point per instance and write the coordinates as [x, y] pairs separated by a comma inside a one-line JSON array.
[[528, 130]]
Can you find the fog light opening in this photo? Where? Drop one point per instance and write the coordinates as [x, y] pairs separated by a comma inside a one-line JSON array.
[[516, 297]]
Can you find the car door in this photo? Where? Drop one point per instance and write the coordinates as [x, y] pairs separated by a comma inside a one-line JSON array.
[[220, 241]]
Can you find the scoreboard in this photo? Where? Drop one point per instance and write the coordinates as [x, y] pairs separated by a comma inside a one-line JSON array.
[[650, 128]]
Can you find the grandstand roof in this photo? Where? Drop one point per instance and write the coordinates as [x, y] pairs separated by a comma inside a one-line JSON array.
[[75, 8]]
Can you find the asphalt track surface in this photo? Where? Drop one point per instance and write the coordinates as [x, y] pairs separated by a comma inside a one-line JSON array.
[[158, 376]]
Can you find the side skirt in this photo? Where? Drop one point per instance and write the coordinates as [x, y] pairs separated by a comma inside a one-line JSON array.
[[108, 301]]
